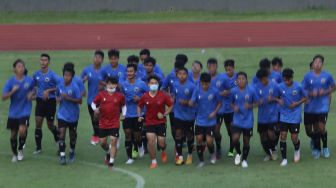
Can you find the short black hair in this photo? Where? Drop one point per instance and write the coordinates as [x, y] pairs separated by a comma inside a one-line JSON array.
[[212, 61], [69, 67], [241, 73], [178, 64], [112, 80], [45, 55], [17, 61], [144, 51], [199, 63], [113, 52], [134, 66], [132, 58], [229, 63], [261, 73], [153, 77], [150, 60], [277, 61], [182, 69], [205, 77], [319, 56], [288, 73], [181, 57], [100, 53], [265, 63]]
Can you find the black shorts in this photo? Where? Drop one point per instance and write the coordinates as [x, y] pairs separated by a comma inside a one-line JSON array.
[[202, 130], [159, 130], [14, 123], [291, 127], [226, 117], [132, 123], [65, 124], [46, 108], [109, 132], [262, 127], [312, 118], [186, 126], [172, 119], [245, 131]]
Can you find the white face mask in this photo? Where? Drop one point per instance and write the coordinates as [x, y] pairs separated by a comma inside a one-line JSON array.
[[154, 87], [111, 90]]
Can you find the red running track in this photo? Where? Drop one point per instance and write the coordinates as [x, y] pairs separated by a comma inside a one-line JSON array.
[[167, 35]]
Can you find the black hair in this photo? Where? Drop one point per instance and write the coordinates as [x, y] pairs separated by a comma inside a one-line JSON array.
[[100, 53], [212, 61], [288, 73], [182, 69], [45, 55], [265, 63], [277, 61], [311, 64], [181, 57], [69, 67], [144, 51], [132, 58], [199, 63], [178, 64], [150, 60], [319, 56], [229, 63], [134, 66], [17, 61], [113, 52], [112, 80], [153, 77], [242, 74], [261, 73], [205, 77]]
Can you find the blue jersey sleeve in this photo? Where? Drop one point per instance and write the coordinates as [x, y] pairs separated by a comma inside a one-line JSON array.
[[194, 97], [84, 73], [8, 87]]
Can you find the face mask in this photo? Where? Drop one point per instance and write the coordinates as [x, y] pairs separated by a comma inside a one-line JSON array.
[[154, 87], [111, 90]]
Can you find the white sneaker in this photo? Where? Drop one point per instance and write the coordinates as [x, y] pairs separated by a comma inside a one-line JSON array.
[[274, 156], [36, 152], [200, 165], [283, 162], [20, 155], [24, 146], [244, 164], [267, 158], [141, 152], [14, 159], [237, 159], [129, 161], [213, 159], [297, 156]]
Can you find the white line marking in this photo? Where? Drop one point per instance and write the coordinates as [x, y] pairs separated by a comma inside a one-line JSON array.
[[140, 181]]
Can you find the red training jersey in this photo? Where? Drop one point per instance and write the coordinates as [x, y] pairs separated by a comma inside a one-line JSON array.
[[154, 105], [109, 107]]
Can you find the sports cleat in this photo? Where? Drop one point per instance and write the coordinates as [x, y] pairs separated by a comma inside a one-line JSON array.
[[135, 154], [244, 164], [71, 157], [316, 154], [20, 155], [37, 151], [94, 140], [267, 158], [107, 158], [62, 160], [200, 165], [297, 156], [164, 157], [14, 159], [153, 165], [326, 153], [189, 160], [213, 159], [230, 154], [141, 152], [274, 155], [179, 161], [110, 165], [237, 159], [283, 162], [129, 161]]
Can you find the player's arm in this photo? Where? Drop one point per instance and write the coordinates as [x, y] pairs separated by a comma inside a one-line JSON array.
[[214, 113]]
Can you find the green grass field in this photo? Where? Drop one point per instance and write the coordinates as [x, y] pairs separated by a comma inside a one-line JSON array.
[[167, 16], [44, 170]]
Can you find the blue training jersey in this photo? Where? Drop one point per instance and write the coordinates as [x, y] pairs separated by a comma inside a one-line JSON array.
[[157, 69], [226, 102], [118, 72], [44, 81], [169, 81], [93, 82], [183, 92], [19, 106]]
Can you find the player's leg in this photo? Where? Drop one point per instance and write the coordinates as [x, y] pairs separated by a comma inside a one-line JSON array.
[[151, 141], [50, 114], [283, 145], [317, 139], [127, 125], [95, 126], [178, 141], [62, 132], [308, 123], [218, 135], [161, 141], [22, 136], [295, 139], [73, 141], [210, 144], [190, 134], [228, 124], [246, 148], [236, 144], [263, 133], [104, 145], [199, 147], [39, 116], [12, 125], [137, 140], [324, 135], [271, 139], [113, 150]]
